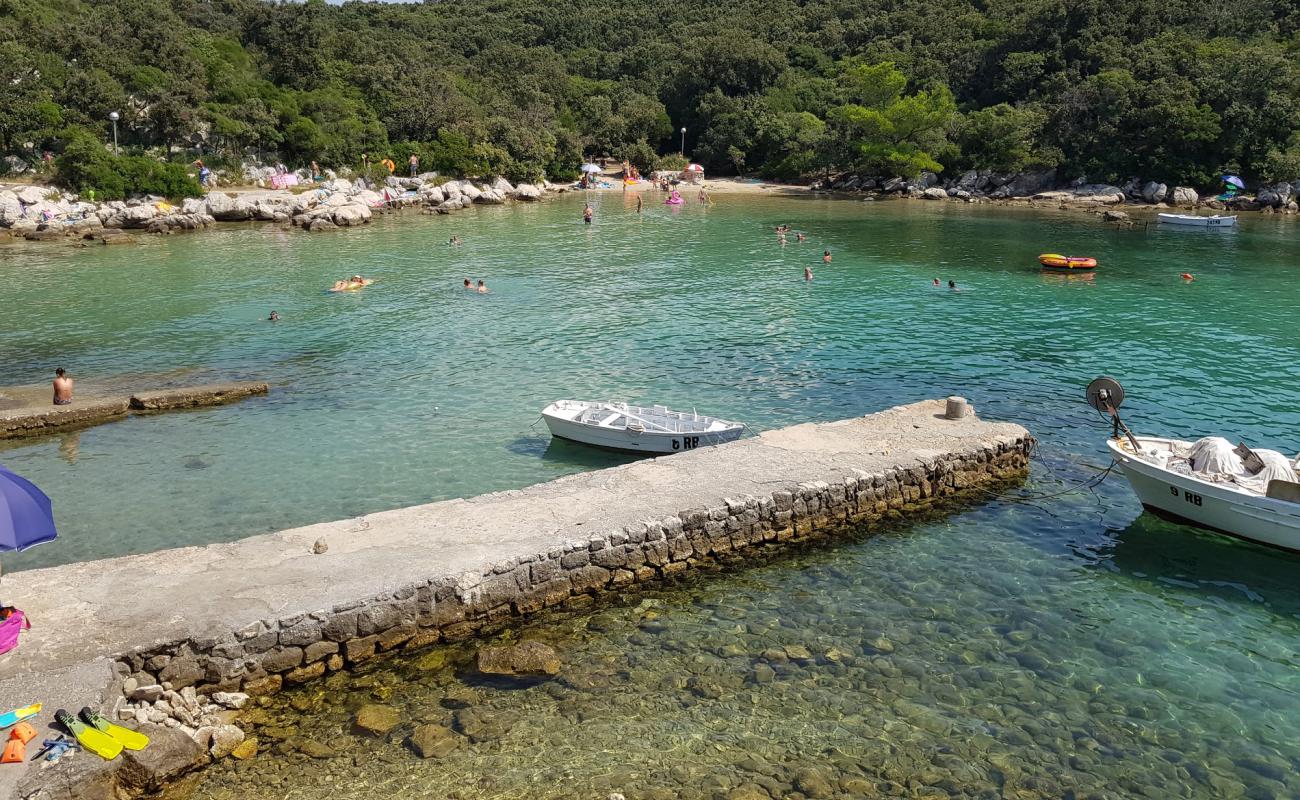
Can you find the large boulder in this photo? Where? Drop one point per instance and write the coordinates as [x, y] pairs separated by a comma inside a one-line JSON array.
[[934, 193], [369, 198], [503, 186], [32, 194], [431, 194], [221, 206], [894, 185], [927, 179], [1183, 196], [491, 197], [1153, 192], [469, 190], [337, 185], [11, 208], [351, 214], [193, 205], [1285, 192], [1026, 184], [137, 216], [1267, 198], [524, 659], [528, 192]]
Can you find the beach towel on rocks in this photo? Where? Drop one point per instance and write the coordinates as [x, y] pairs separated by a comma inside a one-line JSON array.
[[12, 625]]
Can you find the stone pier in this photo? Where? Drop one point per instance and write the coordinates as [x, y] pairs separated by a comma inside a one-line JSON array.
[[28, 410], [286, 608]]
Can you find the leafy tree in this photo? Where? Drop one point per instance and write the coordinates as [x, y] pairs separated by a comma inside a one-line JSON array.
[[885, 130], [1004, 138]]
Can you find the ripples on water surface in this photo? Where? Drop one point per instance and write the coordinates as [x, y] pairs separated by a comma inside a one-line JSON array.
[[1064, 646]]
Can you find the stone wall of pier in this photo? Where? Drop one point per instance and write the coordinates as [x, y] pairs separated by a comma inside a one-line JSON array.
[[265, 656]]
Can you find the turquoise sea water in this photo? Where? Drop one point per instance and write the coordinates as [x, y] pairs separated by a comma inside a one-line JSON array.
[[413, 390], [1033, 649]]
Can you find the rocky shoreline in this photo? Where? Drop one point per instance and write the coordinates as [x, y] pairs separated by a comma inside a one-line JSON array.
[[39, 213], [1033, 188]]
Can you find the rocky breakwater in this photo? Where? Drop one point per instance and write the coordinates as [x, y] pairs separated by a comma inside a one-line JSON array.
[[1033, 188], [39, 213], [287, 608]]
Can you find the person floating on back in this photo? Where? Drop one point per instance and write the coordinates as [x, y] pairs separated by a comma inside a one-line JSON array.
[[62, 388]]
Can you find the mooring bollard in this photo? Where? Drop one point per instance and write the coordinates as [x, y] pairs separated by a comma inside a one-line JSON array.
[[957, 408]]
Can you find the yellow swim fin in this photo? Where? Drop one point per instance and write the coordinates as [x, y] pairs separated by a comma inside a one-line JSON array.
[[96, 741], [131, 740]]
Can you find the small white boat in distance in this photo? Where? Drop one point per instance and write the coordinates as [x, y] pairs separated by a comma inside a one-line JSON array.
[[619, 426], [1196, 221], [1206, 483]]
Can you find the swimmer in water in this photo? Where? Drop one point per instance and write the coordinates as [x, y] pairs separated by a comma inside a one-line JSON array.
[[799, 237], [936, 281], [275, 317], [807, 273], [470, 284], [587, 213], [454, 240], [826, 257], [482, 287], [638, 204], [953, 285]]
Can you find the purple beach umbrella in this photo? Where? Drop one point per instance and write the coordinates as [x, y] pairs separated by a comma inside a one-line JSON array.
[[25, 516]]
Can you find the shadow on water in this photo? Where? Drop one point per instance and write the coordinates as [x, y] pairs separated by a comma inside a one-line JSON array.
[[1154, 551], [564, 453]]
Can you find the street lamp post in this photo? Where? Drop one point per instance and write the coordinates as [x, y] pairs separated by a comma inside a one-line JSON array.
[[114, 116], [683, 140]]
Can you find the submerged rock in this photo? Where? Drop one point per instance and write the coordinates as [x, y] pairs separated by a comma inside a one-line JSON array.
[[376, 720], [523, 659], [433, 741]]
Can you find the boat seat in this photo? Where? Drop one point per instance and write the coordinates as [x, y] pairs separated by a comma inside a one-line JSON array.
[[1283, 490]]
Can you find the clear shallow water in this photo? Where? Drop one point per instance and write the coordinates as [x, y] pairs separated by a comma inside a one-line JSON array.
[[1067, 645], [412, 390], [973, 657]]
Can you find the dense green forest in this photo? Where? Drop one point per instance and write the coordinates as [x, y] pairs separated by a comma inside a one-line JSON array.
[[1172, 89]]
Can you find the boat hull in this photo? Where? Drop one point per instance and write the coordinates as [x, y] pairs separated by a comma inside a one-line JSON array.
[[633, 442], [1193, 221], [1185, 498]]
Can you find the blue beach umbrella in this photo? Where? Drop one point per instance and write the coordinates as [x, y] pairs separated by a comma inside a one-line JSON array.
[[26, 519], [1233, 180]]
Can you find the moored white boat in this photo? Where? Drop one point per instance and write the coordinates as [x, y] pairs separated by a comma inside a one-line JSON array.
[[1249, 494], [1197, 221], [1184, 495], [619, 426]]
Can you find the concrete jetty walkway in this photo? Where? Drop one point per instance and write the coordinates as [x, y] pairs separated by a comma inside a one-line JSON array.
[[256, 614], [30, 411]]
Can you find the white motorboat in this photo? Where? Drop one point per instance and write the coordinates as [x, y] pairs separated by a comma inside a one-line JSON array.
[[619, 426], [1206, 483], [1196, 221]]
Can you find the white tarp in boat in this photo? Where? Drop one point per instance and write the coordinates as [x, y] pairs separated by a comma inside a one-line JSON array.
[[1277, 467], [1214, 458], [1214, 455]]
